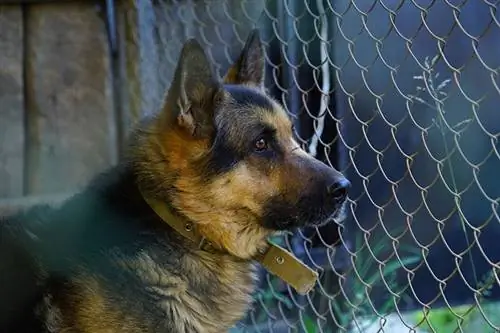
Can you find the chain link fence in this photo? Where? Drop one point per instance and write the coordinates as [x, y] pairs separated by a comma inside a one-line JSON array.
[[402, 97]]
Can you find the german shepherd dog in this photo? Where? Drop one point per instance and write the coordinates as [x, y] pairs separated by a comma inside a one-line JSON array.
[[221, 154]]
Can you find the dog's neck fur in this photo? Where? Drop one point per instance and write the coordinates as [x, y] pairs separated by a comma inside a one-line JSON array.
[[114, 241]]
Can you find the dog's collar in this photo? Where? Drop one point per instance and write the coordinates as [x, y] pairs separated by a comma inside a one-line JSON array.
[[274, 259]]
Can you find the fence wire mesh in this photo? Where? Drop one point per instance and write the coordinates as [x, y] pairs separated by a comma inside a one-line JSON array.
[[402, 97]]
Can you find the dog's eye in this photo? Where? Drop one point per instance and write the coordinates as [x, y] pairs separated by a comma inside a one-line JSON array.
[[260, 144]]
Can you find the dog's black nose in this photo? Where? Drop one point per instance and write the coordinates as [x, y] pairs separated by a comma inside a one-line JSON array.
[[338, 190]]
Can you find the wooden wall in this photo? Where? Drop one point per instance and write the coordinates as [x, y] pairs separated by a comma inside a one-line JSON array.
[[11, 103], [67, 99], [57, 118]]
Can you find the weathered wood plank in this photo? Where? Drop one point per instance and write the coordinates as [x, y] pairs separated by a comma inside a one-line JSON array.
[[11, 102], [70, 112], [128, 69]]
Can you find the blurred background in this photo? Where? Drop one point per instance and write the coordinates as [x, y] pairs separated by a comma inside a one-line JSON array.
[[401, 96]]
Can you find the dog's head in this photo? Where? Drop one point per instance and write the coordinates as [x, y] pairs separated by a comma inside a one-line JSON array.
[[223, 153]]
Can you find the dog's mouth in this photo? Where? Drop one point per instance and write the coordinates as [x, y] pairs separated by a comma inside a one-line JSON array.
[[281, 215], [337, 217]]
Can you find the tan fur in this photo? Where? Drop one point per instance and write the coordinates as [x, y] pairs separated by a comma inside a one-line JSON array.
[[87, 308]]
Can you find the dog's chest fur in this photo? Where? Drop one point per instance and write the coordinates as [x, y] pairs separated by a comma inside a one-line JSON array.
[[201, 295], [110, 265]]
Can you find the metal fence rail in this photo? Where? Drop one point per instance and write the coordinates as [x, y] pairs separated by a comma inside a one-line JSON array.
[[401, 96]]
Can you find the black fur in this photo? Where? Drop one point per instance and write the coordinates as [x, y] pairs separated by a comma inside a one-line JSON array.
[[244, 97], [234, 135], [222, 157]]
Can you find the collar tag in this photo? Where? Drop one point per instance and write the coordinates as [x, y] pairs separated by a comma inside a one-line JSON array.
[[283, 264]]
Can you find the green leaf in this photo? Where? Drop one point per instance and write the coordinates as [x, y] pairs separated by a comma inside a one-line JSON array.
[[310, 325]]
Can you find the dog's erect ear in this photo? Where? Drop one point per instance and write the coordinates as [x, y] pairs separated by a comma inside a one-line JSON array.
[[190, 100], [249, 68]]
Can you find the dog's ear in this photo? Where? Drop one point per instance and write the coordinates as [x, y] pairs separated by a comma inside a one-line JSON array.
[[191, 97], [249, 68]]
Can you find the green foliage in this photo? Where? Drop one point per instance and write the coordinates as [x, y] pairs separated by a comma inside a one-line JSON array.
[[461, 319], [366, 274], [310, 325], [438, 320]]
